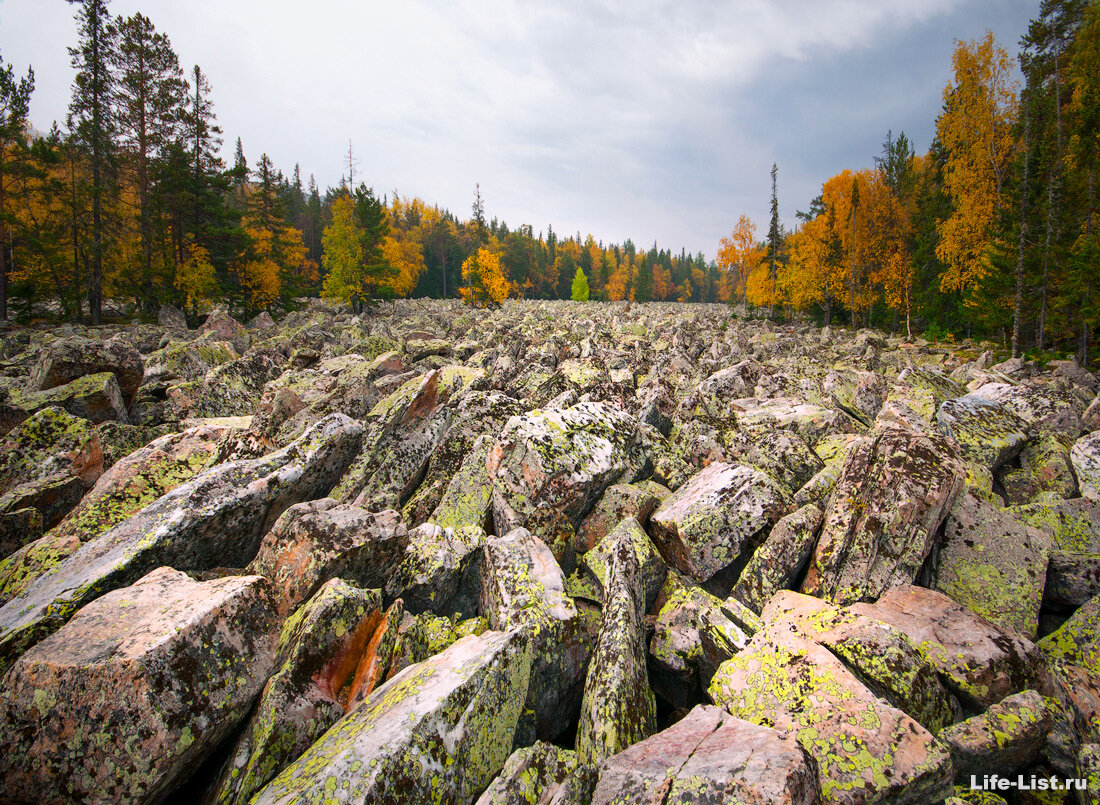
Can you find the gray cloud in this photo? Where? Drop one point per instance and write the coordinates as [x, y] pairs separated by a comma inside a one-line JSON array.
[[648, 119]]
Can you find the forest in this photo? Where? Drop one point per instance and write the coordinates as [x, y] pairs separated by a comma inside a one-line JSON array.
[[127, 205]]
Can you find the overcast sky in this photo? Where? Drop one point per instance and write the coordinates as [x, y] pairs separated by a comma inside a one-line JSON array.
[[649, 119]]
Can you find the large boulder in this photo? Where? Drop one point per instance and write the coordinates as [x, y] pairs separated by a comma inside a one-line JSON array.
[[318, 652], [136, 690], [595, 563], [94, 397], [455, 714], [866, 750], [128, 486], [522, 587], [891, 497], [977, 661], [993, 564], [1007, 737], [318, 540], [536, 773], [618, 708], [777, 563], [214, 520], [1085, 456], [67, 359], [985, 432], [548, 468], [1044, 406], [620, 501], [710, 756], [439, 570], [714, 519]]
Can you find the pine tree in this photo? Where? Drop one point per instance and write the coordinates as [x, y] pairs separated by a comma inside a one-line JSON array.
[[580, 286], [15, 96], [773, 239], [149, 99], [91, 113]]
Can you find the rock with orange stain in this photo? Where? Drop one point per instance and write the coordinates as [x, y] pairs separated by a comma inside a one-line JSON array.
[[318, 540], [376, 656], [319, 650]]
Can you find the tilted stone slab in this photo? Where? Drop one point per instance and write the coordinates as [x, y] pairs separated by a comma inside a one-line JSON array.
[[439, 731], [216, 519], [891, 497]]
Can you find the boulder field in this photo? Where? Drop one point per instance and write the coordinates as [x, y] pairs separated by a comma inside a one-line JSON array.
[[552, 552]]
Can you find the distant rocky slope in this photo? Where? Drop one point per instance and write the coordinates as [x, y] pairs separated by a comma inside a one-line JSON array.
[[552, 553]]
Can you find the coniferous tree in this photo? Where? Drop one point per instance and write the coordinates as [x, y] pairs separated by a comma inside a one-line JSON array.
[[15, 96], [773, 239], [90, 111], [580, 286]]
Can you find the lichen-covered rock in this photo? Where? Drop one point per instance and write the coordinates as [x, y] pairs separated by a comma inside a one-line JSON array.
[[136, 690], [710, 756], [618, 708], [438, 571], [1042, 405], [231, 389], [977, 661], [548, 468], [777, 563], [1072, 579], [781, 454], [226, 328], [984, 431], [694, 633], [68, 359], [811, 422], [722, 513], [1044, 469], [866, 750], [128, 486], [940, 386], [187, 360], [1085, 456], [993, 564], [1010, 735], [1088, 769], [1074, 525], [532, 774], [881, 522], [404, 430], [376, 656], [881, 656], [316, 656], [425, 635], [618, 503], [17, 526], [522, 587], [652, 567], [217, 519], [438, 732], [51, 442], [467, 499], [96, 398], [318, 540]]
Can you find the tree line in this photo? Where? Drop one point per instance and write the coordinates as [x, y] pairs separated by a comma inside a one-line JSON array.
[[128, 200], [994, 231]]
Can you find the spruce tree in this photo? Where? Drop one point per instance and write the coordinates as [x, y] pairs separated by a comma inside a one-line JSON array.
[[15, 96], [91, 114]]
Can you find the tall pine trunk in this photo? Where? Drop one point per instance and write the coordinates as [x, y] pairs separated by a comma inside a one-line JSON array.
[[1017, 310]]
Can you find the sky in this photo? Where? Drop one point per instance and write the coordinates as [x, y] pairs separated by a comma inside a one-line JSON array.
[[653, 120]]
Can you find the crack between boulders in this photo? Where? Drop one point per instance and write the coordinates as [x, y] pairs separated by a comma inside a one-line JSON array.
[[667, 784]]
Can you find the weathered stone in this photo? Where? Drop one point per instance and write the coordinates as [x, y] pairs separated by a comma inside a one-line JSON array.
[[978, 662], [993, 564], [96, 398], [618, 708], [522, 587], [1009, 736], [532, 774], [939, 385], [315, 658], [376, 655], [67, 359], [716, 518], [811, 422], [1072, 579], [1041, 405], [710, 756], [1074, 525], [777, 563], [866, 750], [225, 328], [651, 566], [782, 454], [318, 540], [468, 497], [548, 469], [457, 711], [187, 360], [216, 519], [439, 570], [106, 709], [891, 497], [619, 502], [1044, 469], [984, 431], [171, 318], [1085, 456], [882, 657], [425, 635], [694, 633], [18, 528], [1088, 769], [231, 389]]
